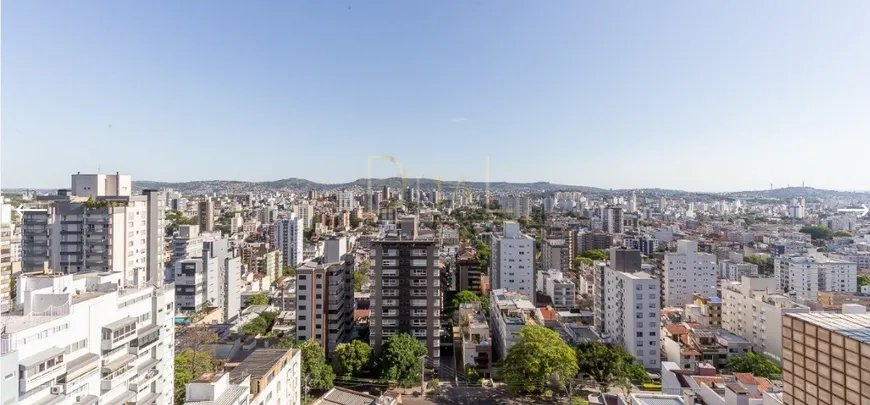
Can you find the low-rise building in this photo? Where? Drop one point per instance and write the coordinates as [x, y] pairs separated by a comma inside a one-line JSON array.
[[559, 288], [476, 340], [509, 312], [275, 376], [216, 388]]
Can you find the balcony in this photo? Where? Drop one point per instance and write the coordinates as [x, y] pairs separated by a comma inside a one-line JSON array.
[[419, 333], [78, 371], [390, 312], [389, 322], [418, 303], [41, 368], [146, 338], [118, 333], [114, 377]]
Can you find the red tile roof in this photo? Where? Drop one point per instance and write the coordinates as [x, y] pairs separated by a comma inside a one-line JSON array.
[[548, 314], [676, 329]]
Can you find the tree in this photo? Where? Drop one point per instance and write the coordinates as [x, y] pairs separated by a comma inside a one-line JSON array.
[[195, 339], [595, 254], [759, 366], [257, 299], [316, 374], [471, 372], [863, 279], [539, 356], [351, 359], [483, 253], [190, 364], [608, 365], [355, 221], [261, 325], [285, 343], [843, 234], [463, 297], [581, 261], [818, 232], [400, 359], [289, 270], [365, 264], [359, 279]]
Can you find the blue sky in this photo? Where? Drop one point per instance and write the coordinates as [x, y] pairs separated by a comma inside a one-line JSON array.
[[708, 96]]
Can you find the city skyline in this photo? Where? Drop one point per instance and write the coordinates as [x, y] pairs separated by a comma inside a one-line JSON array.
[[625, 96]]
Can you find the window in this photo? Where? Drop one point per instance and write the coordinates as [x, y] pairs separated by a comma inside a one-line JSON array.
[[303, 277], [639, 334], [302, 317]]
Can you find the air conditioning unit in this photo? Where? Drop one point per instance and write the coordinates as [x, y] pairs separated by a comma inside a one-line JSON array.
[[56, 389]]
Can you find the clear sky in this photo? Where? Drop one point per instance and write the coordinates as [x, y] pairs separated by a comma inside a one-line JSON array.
[[710, 96]]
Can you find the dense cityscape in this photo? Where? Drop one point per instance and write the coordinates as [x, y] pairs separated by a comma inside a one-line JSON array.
[[388, 291]]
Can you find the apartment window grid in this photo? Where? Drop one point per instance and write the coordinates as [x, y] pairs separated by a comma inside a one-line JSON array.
[[823, 367]]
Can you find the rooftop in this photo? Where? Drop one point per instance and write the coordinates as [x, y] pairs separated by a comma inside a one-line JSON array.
[[855, 326], [260, 361], [343, 396]]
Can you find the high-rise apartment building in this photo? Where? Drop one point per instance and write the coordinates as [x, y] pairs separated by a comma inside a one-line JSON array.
[[753, 308], [593, 241], [512, 260], [324, 297], [628, 260], [35, 242], [406, 295], [346, 201], [288, 239], [101, 185], [613, 220], [556, 255], [211, 279], [509, 312], [688, 272], [206, 215], [805, 276], [107, 233], [87, 339], [826, 359], [631, 314], [305, 212], [516, 206], [468, 271], [569, 236]]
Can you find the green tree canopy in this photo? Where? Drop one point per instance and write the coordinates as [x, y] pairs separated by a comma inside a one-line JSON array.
[[843, 234], [351, 359], [580, 261], [538, 356], [316, 373], [464, 296], [863, 280], [608, 365], [261, 325], [289, 271], [818, 232], [595, 254], [190, 364], [483, 253], [258, 299], [359, 279], [400, 359], [758, 365]]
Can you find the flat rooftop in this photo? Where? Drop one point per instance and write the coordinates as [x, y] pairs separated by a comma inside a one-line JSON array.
[[260, 361], [855, 326]]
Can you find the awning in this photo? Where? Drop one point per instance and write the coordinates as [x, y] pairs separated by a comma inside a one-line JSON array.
[[118, 363], [148, 330], [146, 365], [148, 399], [122, 399], [51, 400], [41, 357], [120, 323], [80, 365]]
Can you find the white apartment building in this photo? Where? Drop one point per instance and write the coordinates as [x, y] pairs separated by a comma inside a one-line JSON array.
[[735, 271], [752, 308], [688, 272], [805, 276], [305, 212], [288, 239], [512, 260], [97, 185], [509, 312], [275, 376], [85, 339], [346, 201], [205, 215], [559, 288], [516, 206], [108, 233], [631, 314], [216, 388]]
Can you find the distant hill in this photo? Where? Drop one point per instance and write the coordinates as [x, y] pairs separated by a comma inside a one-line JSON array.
[[300, 185]]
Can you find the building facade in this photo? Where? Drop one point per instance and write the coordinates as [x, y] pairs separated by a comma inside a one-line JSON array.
[[631, 314], [805, 276], [688, 272], [288, 239], [406, 295], [512, 256], [88, 338]]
